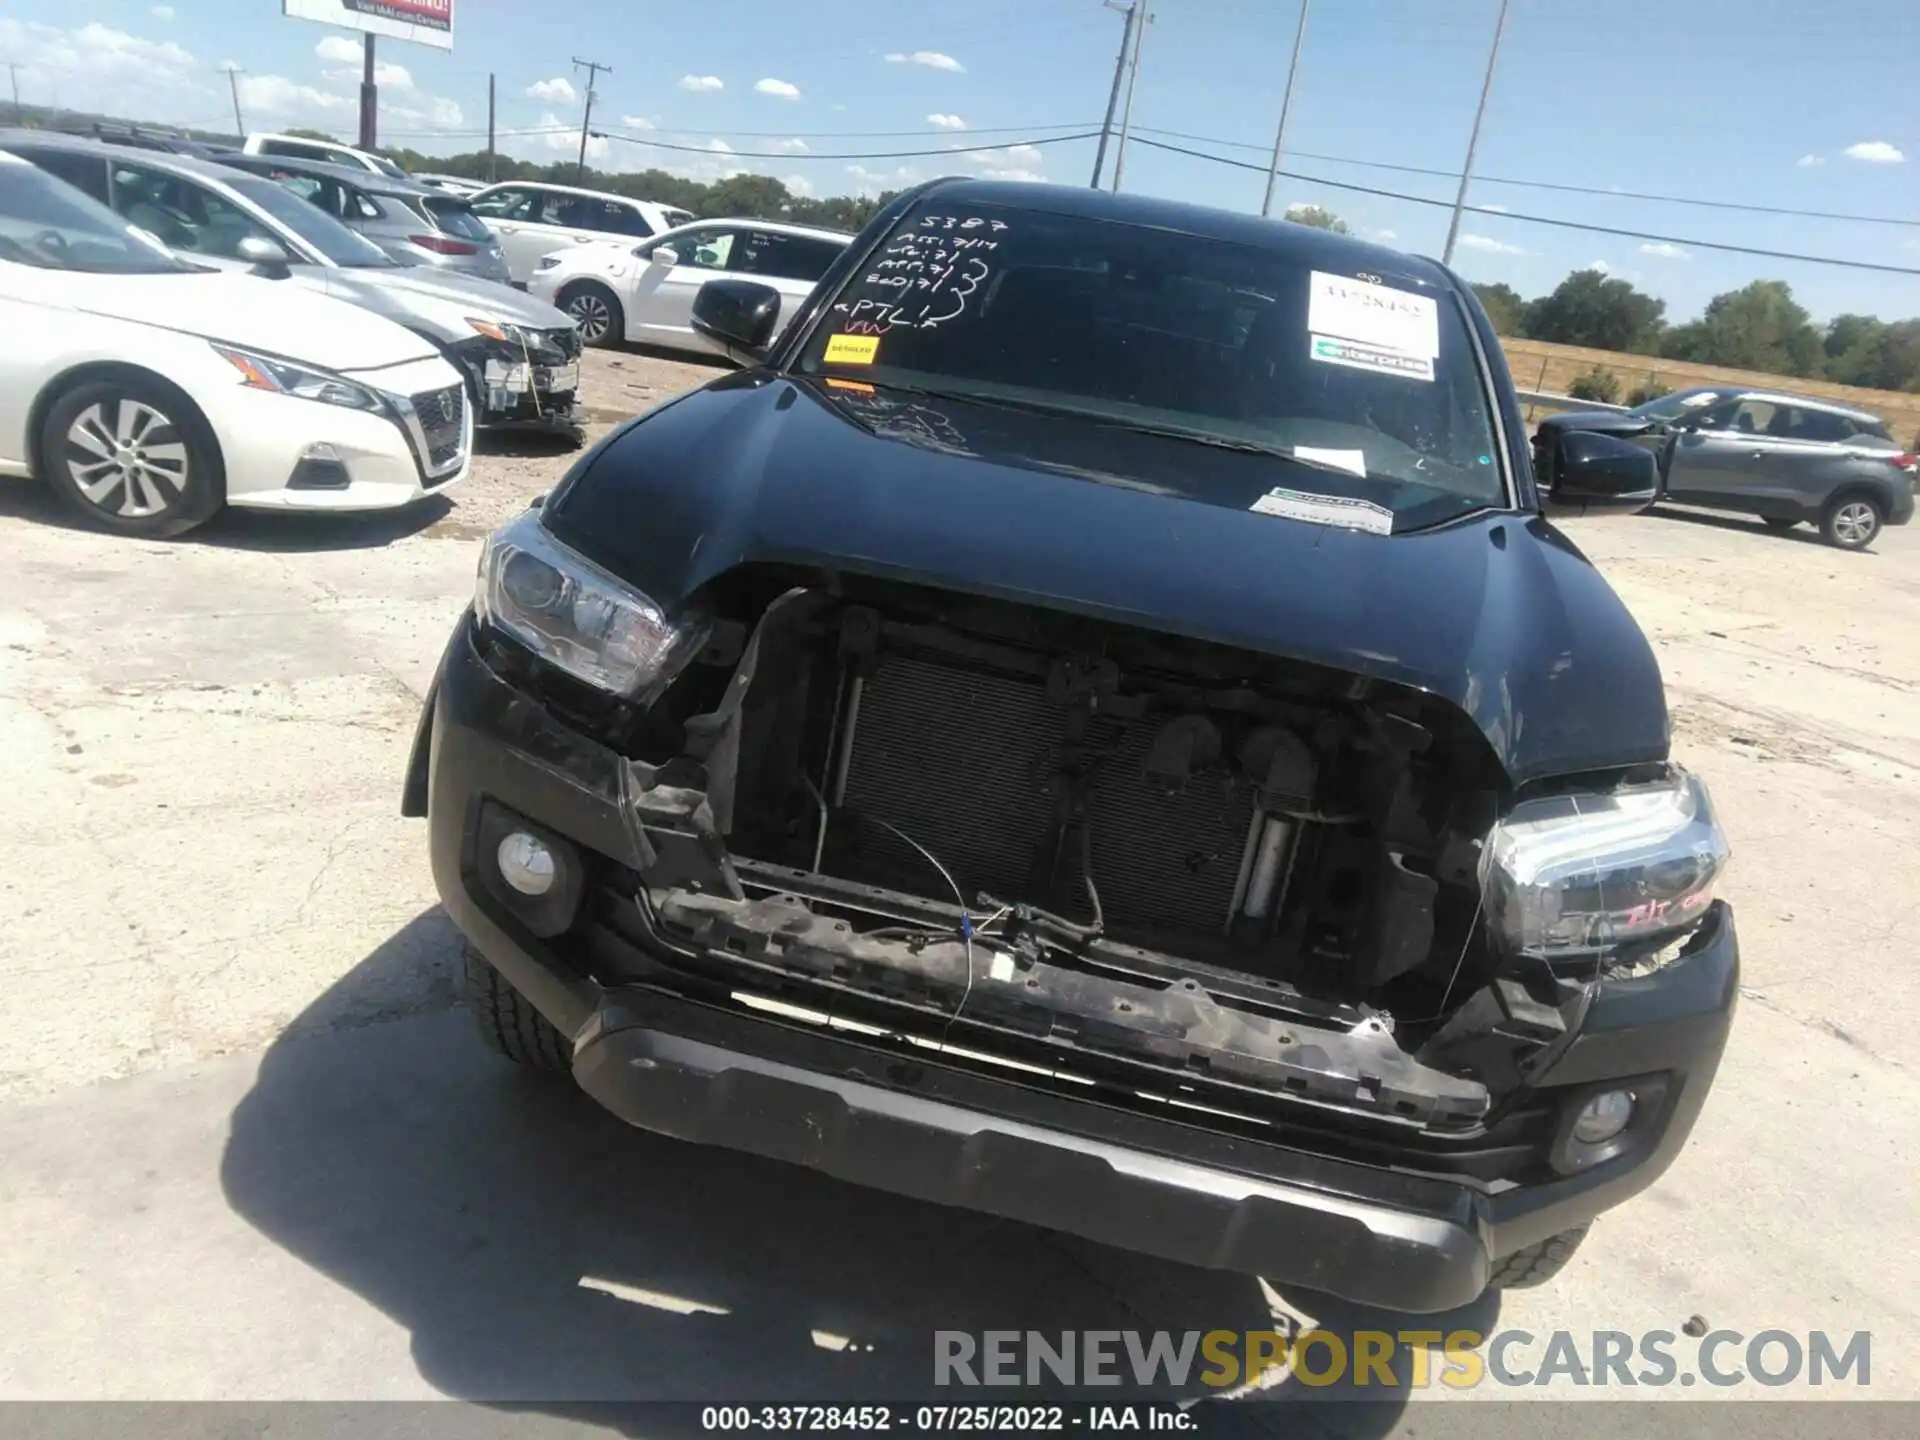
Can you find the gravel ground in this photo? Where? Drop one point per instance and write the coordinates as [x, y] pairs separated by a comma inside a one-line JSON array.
[[250, 1154]]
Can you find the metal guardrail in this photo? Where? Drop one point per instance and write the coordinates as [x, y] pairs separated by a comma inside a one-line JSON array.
[[1547, 400]]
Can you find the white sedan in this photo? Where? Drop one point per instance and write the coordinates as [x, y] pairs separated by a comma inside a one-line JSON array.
[[644, 293], [149, 392]]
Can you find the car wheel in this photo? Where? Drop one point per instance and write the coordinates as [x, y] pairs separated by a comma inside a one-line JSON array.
[[596, 314], [1852, 522], [133, 456], [508, 1022], [1538, 1263], [1780, 523]]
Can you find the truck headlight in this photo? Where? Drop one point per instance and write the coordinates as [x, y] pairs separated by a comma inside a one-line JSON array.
[[1579, 875], [579, 618]]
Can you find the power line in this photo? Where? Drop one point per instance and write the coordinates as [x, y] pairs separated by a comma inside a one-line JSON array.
[[1544, 219], [1036, 140], [1542, 184], [780, 134]]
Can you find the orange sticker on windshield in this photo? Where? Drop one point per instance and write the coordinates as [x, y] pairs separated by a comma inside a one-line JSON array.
[[852, 349], [858, 387]]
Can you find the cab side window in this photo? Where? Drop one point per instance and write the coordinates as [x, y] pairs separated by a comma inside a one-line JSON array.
[[83, 172], [520, 205], [785, 257]]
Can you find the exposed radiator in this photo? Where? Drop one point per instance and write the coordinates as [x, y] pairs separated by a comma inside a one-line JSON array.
[[963, 763]]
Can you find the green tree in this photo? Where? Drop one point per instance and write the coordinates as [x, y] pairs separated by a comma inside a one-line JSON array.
[[1874, 353], [1757, 327], [1599, 383], [1593, 309], [1504, 307], [1318, 216]]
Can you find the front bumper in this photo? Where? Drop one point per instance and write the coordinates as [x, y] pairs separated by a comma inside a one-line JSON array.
[[539, 383], [689, 1063]]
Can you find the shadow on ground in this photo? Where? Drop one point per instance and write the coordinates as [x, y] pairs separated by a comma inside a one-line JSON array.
[[546, 1257], [1750, 524]]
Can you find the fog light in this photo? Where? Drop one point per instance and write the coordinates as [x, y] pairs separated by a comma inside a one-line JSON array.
[[1601, 1118], [526, 863]]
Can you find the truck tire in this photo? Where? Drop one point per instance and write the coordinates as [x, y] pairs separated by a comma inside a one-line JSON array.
[[509, 1024], [1538, 1263]]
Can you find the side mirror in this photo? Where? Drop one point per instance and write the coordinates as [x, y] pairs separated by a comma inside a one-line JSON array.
[[1590, 474], [266, 256], [664, 255], [740, 314]]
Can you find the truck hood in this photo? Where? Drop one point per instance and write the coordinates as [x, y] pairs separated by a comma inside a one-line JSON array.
[[436, 303], [255, 314], [1494, 611]]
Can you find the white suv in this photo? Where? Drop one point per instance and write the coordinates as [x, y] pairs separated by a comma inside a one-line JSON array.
[[533, 220], [299, 147]]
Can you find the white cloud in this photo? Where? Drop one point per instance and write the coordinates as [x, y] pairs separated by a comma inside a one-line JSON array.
[[797, 184], [94, 52], [562, 136], [1382, 235], [795, 146], [162, 12], [946, 122], [1488, 245], [1014, 162], [557, 91], [1811, 160], [392, 77], [338, 50], [719, 147], [1664, 250], [872, 182], [1875, 152], [702, 83], [932, 59], [779, 89], [284, 99], [1495, 209], [636, 122], [1600, 266]]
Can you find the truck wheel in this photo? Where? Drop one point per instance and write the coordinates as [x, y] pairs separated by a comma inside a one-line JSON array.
[[509, 1024], [1851, 521], [1538, 1263]]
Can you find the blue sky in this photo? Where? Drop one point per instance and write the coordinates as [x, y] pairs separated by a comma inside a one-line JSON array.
[[1736, 100]]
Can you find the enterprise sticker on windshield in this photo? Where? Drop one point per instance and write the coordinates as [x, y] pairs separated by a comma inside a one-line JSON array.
[[852, 349], [1340, 510], [1332, 350]]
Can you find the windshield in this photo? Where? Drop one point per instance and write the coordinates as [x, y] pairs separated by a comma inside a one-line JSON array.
[[453, 216], [1370, 381], [1668, 407], [387, 167], [312, 224], [47, 223]]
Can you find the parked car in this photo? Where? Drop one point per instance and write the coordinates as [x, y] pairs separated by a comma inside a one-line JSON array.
[[521, 357], [645, 292], [1786, 458], [149, 392], [142, 137], [535, 219], [453, 184], [414, 223], [1106, 738], [301, 147]]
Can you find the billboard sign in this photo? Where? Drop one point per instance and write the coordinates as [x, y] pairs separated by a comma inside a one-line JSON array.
[[425, 22]]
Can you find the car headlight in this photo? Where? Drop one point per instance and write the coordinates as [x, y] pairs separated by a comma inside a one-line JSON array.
[[547, 262], [1577, 876], [283, 377], [498, 330], [577, 617]]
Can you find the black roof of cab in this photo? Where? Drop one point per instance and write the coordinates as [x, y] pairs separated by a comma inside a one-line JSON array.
[[1321, 248]]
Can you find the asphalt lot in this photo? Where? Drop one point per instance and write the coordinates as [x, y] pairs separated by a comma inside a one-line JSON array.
[[249, 1150]]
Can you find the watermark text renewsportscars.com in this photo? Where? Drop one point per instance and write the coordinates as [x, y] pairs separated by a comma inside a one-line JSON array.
[[1401, 1359]]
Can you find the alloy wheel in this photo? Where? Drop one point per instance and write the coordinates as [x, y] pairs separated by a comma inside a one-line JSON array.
[[126, 458], [1855, 523], [590, 316]]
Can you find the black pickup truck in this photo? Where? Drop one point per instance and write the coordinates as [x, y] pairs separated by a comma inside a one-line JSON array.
[[1093, 723]]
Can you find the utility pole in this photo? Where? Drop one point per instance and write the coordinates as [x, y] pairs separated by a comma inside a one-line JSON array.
[[1473, 141], [1286, 108], [489, 127], [593, 69], [369, 99], [233, 85], [1131, 11], [1133, 80], [14, 71]]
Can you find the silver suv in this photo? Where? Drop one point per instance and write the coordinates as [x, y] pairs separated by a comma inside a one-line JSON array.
[[414, 223], [1785, 458]]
